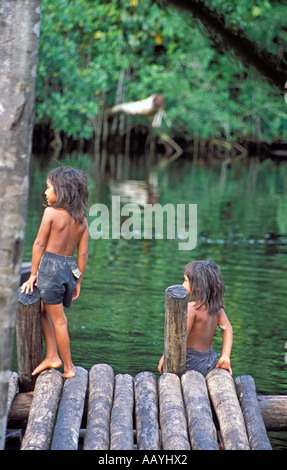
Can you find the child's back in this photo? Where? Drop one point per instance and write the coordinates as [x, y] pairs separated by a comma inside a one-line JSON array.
[[65, 233], [201, 327]]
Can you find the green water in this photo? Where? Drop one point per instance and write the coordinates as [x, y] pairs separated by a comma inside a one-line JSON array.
[[241, 225]]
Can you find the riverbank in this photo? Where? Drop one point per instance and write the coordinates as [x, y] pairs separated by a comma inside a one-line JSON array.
[[141, 140]]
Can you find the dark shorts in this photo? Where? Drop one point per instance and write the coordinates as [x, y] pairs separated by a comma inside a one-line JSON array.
[[202, 361], [56, 281]]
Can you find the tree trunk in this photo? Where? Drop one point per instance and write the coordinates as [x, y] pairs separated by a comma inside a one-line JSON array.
[[19, 32]]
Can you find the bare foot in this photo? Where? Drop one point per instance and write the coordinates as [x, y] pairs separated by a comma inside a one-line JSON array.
[[70, 373], [47, 364]]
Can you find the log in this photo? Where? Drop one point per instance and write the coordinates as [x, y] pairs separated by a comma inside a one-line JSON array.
[[176, 298], [13, 388], [70, 412], [172, 414], [13, 439], [122, 437], [202, 432], [29, 338], [246, 392], [272, 407], [146, 411], [227, 408], [101, 389], [43, 411], [19, 411], [274, 411]]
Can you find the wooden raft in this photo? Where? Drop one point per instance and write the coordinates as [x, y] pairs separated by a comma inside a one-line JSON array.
[[98, 410]]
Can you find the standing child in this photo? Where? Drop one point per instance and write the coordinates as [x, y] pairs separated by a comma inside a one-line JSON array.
[[202, 280], [63, 229]]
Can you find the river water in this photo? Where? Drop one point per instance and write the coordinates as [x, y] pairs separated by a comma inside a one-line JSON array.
[[241, 224]]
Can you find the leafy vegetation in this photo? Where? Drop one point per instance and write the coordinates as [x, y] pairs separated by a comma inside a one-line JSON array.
[[87, 47]]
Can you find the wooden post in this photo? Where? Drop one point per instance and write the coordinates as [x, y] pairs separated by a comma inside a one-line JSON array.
[[202, 432], [176, 298], [172, 414], [146, 411], [70, 412], [29, 338], [122, 414], [43, 411], [101, 389], [257, 435], [226, 405]]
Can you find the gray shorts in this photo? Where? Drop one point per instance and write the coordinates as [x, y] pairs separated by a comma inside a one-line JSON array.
[[55, 280], [202, 361]]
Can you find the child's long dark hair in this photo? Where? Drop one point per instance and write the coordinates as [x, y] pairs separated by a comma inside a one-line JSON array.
[[206, 284], [71, 188]]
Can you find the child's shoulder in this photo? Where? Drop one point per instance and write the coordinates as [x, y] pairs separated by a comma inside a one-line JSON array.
[[54, 212], [50, 210], [191, 307]]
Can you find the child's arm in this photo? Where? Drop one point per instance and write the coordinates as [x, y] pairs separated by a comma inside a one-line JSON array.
[[82, 260], [38, 249], [227, 339]]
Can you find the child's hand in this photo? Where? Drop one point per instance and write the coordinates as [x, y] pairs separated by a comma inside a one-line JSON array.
[[28, 285], [76, 292], [160, 364], [224, 363]]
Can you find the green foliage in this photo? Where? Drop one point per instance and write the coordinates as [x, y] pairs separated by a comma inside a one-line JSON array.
[[85, 45]]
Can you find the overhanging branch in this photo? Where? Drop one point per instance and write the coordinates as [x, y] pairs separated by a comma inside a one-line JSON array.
[[249, 51]]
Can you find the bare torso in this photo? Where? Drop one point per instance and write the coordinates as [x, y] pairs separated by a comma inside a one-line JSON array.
[[65, 233], [200, 328]]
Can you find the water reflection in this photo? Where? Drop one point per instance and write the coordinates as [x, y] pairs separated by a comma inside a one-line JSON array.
[[242, 225], [137, 192]]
